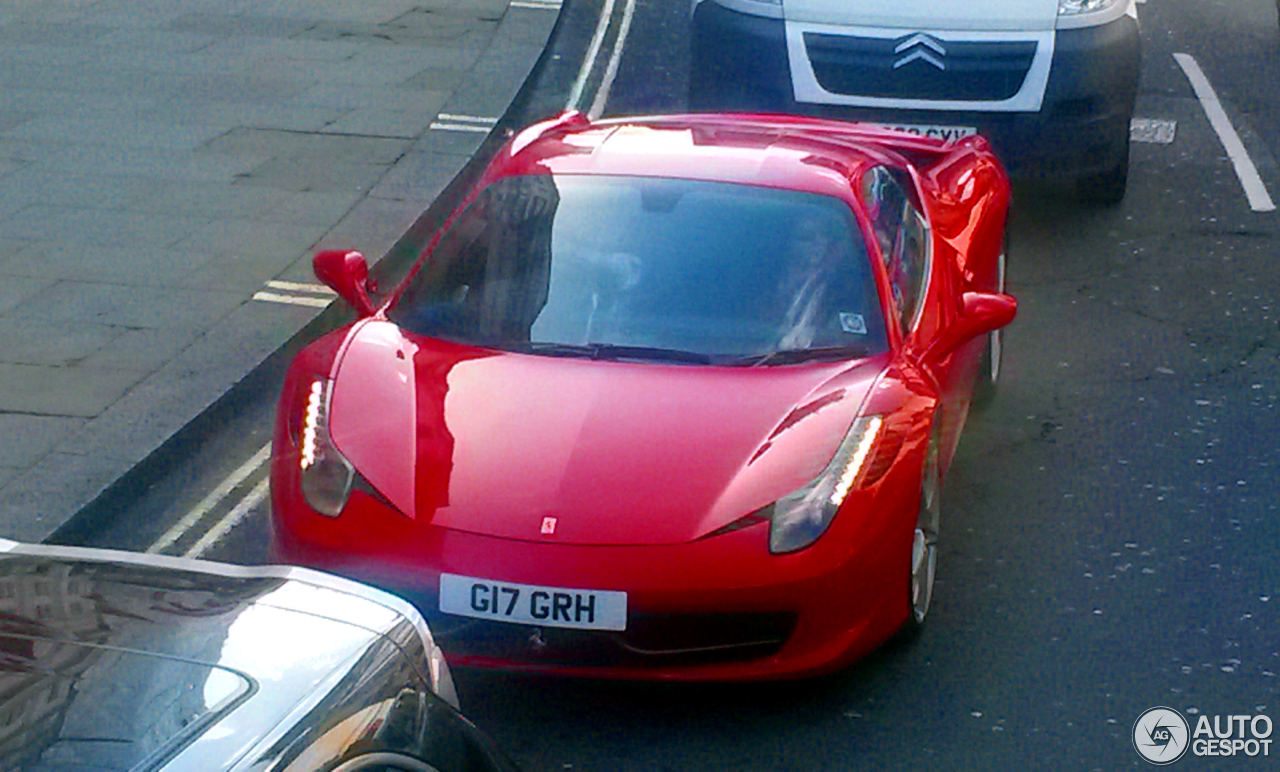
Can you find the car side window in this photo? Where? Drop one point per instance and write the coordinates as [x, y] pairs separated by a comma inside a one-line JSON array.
[[903, 236]]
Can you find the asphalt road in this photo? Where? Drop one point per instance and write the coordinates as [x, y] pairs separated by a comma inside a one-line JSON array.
[[1109, 535]]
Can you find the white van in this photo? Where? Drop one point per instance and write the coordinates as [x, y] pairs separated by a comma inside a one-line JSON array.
[[1051, 83]]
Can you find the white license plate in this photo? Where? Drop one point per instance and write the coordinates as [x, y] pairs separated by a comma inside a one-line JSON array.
[[930, 130], [532, 604]]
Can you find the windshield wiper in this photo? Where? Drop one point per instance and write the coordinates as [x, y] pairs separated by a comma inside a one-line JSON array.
[[614, 351], [795, 355]]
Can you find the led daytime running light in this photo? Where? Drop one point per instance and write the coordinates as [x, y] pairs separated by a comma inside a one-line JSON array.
[[863, 444], [311, 424]]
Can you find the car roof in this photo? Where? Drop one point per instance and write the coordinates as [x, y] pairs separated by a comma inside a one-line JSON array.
[[798, 153]]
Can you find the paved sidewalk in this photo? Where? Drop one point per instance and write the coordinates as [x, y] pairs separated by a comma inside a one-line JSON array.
[[161, 161]]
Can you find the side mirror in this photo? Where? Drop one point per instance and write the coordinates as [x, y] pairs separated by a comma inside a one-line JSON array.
[[347, 273], [980, 313]]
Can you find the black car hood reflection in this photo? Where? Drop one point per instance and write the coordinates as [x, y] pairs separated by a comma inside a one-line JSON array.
[[124, 665]]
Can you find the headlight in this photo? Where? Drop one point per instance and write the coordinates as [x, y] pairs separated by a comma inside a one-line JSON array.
[[1073, 7], [326, 475], [799, 518]]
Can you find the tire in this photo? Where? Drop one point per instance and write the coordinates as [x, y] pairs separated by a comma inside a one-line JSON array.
[[924, 543], [1107, 188], [984, 389]]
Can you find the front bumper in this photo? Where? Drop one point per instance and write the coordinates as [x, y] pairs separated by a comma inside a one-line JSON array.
[[740, 62], [720, 608]]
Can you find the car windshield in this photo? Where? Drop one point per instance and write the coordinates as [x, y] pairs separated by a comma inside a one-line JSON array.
[[650, 269]]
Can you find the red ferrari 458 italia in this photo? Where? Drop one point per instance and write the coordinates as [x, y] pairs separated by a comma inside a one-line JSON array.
[[665, 398]]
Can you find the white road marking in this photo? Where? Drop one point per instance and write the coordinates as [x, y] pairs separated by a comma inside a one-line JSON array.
[[233, 518], [1254, 189], [201, 509], [611, 72], [456, 118], [460, 127], [543, 6], [293, 286], [588, 63], [292, 300], [478, 124]]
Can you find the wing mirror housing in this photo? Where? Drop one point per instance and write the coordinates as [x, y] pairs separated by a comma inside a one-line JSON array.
[[980, 313], [347, 273]]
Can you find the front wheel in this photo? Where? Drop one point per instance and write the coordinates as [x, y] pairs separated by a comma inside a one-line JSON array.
[[924, 544], [984, 390]]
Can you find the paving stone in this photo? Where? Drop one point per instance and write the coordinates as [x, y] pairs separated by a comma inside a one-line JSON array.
[[176, 62], [147, 349], [240, 24], [436, 79], [374, 226], [487, 8], [157, 163], [81, 80], [253, 237], [138, 266], [24, 439], [118, 130], [453, 54], [420, 176], [463, 143], [29, 341], [50, 34], [36, 183], [131, 14], [250, 50], [64, 391], [152, 39], [238, 273], [89, 106], [65, 56], [313, 174], [295, 144], [372, 121], [352, 71], [437, 22], [288, 116], [457, 31], [369, 11], [310, 208], [157, 407], [12, 119], [99, 226], [118, 305], [37, 502], [348, 97], [247, 88], [26, 152], [15, 289], [215, 200]]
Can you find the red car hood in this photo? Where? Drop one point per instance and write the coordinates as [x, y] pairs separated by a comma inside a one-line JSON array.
[[615, 452]]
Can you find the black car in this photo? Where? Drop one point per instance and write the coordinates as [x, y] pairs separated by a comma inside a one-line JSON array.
[[116, 660]]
